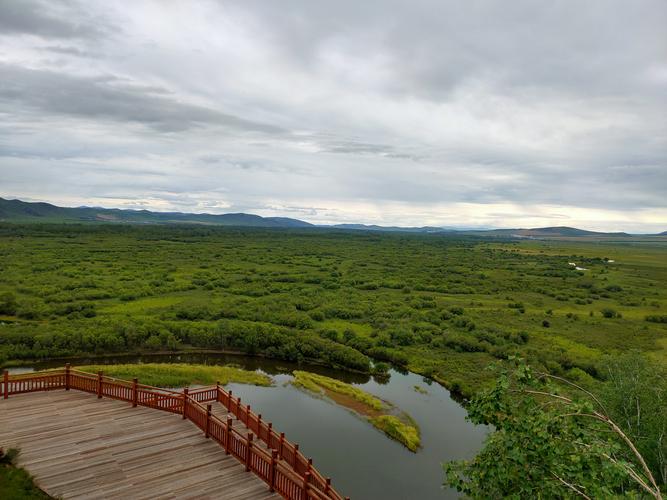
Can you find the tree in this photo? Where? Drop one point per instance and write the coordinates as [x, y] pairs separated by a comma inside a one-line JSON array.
[[548, 445], [635, 396]]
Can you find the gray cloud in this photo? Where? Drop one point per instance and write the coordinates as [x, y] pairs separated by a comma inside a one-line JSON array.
[[425, 112], [108, 97], [49, 19]]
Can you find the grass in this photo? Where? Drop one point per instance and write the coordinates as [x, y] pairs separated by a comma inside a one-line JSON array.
[[316, 383], [396, 424], [392, 426], [16, 483], [180, 374]]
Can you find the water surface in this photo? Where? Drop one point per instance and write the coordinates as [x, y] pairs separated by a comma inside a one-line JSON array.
[[362, 461]]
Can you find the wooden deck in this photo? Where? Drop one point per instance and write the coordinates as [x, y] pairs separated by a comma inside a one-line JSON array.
[[78, 446]]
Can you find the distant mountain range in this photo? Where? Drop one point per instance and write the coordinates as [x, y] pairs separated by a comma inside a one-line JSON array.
[[21, 211], [373, 227], [25, 212]]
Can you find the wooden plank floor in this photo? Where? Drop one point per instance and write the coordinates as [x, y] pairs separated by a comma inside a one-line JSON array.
[[78, 446]]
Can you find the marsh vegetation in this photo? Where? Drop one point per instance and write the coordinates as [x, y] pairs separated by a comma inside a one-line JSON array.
[[441, 306], [383, 415], [179, 374]]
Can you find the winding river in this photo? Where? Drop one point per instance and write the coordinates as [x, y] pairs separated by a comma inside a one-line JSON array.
[[362, 461]]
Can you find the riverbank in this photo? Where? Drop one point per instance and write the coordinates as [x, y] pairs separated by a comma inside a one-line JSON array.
[[180, 374], [15, 482]]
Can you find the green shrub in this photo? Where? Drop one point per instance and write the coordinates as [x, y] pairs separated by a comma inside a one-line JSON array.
[[608, 312], [8, 304]]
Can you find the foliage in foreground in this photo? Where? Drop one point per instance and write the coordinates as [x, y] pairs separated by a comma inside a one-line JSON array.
[[180, 374], [16, 483], [548, 445], [635, 396]]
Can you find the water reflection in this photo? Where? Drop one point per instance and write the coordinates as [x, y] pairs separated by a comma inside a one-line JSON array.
[[364, 463]]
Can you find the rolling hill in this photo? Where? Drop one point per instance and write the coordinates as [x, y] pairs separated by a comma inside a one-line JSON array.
[[21, 211], [26, 212]]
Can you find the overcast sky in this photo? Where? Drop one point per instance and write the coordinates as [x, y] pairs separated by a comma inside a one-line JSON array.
[[516, 113]]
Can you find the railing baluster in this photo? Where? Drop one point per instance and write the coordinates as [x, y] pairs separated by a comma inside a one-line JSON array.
[[306, 485], [272, 471], [229, 435], [208, 420], [135, 392], [248, 453]]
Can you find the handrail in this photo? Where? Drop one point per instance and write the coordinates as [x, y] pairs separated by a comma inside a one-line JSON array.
[[284, 468], [286, 450]]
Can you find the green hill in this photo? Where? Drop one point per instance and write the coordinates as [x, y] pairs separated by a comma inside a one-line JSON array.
[[21, 211]]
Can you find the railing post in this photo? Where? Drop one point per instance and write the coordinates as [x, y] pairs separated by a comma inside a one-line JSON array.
[[67, 369], [259, 426], [248, 453], [310, 465], [327, 486], [185, 401], [280, 445], [217, 391], [296, 455], [272, 471], [306, 485], [228, 441], [238, 405], [99, 384], [135, 392], [247, 414], [5, 384], [208, 420], [269, 435], [229, 400]]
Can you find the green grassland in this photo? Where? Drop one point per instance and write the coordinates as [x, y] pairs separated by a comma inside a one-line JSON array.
[[443, 306], [180, 374]]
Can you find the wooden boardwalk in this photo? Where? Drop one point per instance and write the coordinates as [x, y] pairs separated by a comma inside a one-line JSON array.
[[78, 446]]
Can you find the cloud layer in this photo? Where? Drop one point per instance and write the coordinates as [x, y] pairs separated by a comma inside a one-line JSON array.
[[475, 114]]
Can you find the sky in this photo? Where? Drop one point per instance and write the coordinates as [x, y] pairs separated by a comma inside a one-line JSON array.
[[424, 112]]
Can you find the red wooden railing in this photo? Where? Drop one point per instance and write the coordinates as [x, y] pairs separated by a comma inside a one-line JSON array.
[[283, 467]]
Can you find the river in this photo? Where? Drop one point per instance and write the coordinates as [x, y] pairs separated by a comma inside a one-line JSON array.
[[362, 461]]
